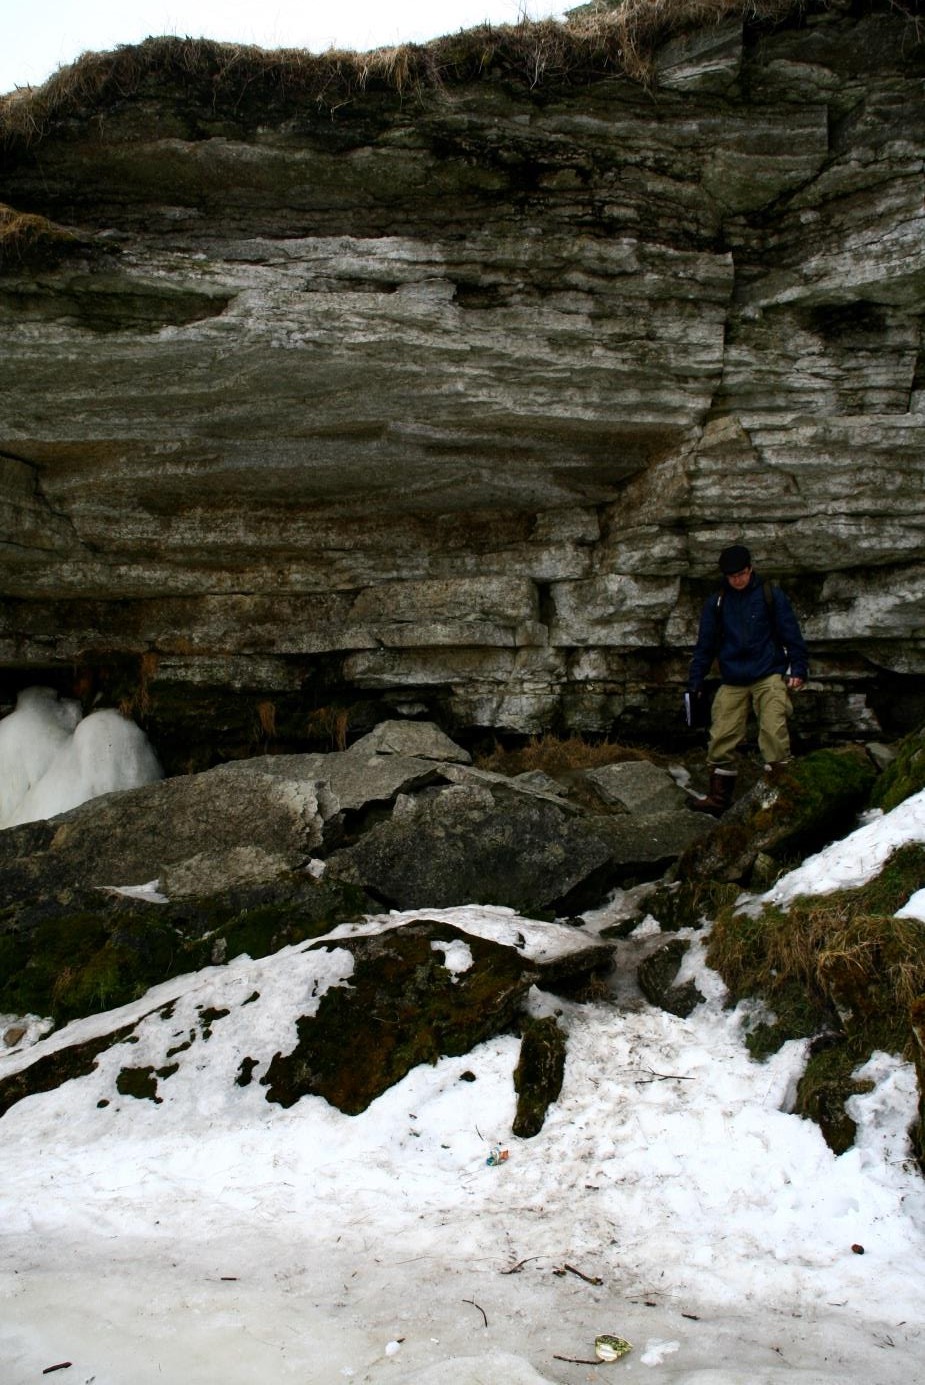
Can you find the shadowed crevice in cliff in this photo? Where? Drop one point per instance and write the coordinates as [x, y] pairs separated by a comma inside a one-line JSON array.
[[106, 302]]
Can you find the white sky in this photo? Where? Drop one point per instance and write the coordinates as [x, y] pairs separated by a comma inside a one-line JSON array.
[[38, 37]]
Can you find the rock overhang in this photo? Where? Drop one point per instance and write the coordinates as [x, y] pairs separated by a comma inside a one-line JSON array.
[[461, 394]]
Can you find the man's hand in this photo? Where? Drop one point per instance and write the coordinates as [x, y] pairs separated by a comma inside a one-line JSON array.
[[795, 684]]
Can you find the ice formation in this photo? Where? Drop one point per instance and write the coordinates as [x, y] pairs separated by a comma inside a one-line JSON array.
[[52, 758]]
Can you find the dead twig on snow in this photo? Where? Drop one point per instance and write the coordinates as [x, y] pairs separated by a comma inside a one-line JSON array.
[[479, 1307], [588, 1278], [515, 1269]]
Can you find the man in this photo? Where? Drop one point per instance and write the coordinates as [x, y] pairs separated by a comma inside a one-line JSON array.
[[751, 628]]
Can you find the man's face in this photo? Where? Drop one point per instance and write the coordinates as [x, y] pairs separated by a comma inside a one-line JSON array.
[[739, 580]]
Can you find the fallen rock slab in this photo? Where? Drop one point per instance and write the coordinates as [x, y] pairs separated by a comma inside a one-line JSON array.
[[421, 739], [490, 843], [636, 786]]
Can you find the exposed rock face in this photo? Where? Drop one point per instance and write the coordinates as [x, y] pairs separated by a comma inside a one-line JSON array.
[[450, 401]]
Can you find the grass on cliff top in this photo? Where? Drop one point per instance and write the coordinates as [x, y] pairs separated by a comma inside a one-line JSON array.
[[603, 41]]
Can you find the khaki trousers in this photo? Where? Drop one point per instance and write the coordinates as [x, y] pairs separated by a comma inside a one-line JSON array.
[[773, 708]]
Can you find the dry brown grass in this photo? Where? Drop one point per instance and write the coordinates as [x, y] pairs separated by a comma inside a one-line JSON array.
[[846, 950], [138, 702], [24, 236], [602, 42], [266, 718], [554, 755], [330, 724]]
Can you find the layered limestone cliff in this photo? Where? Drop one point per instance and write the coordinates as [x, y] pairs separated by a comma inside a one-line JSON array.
[[445, 394]]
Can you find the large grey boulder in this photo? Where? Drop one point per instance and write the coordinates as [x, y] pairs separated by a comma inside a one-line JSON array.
[[244, 821], [130, 838], [349, 781], [471, 843], [636, 786], [485, 841]]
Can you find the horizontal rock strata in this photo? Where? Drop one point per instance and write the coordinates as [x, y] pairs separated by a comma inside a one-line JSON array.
[[449, 400]]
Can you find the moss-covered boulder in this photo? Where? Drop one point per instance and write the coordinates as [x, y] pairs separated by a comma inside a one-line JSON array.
[[538, 1075], [795, 809], [841, 966], [53, 1069], [658, 980], [904, 776], [828, 1082], [416, 993], [78, 952], [687, 903]]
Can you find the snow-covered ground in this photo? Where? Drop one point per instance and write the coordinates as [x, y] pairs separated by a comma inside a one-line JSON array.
[[669, 1199]]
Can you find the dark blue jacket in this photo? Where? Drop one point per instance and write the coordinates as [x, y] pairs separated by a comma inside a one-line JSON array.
[[750, 645]]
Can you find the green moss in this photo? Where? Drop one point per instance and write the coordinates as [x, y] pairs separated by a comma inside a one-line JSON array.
[[813, 800], [687, 903], [827, 1083], [904, 776], [311, 910], [77, 964], [840, 964], [797, 1014], [901, 875], [815, 796], [79, 961]]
